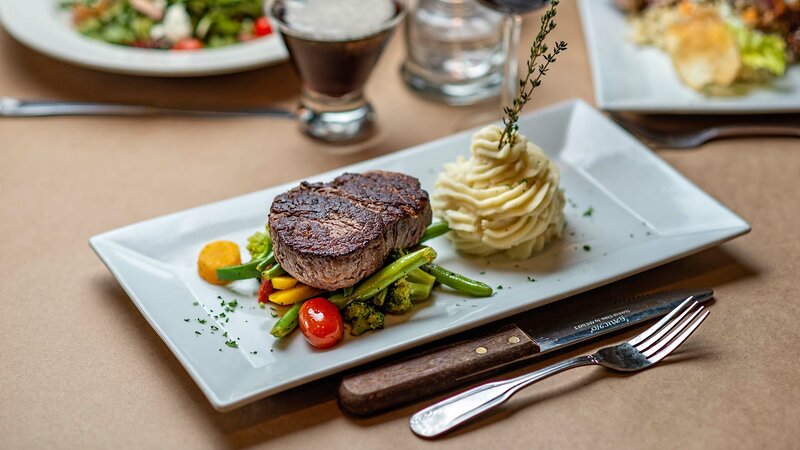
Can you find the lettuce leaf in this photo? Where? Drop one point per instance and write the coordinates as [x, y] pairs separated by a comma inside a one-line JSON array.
[[760, 51]]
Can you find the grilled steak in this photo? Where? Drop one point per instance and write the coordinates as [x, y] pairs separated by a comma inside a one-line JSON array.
[[333, 235]]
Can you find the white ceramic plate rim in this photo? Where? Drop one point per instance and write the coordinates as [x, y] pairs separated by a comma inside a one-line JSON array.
[[233, 379], [40, 25], [629, 78]]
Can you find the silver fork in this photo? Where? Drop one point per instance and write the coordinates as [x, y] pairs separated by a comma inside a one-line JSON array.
[[639, 353], [691, 139]]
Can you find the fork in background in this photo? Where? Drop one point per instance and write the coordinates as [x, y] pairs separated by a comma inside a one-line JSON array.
[[681, 138], [638, 353]]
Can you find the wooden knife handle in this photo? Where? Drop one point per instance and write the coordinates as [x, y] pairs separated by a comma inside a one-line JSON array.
[[431, 372]]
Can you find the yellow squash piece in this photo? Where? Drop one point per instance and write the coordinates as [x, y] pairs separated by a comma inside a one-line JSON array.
[[283, 282], [296, 294], [216, 255], [703, 51]]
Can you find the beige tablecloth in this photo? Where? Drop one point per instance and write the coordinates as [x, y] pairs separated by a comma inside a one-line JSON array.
[[81, 368]]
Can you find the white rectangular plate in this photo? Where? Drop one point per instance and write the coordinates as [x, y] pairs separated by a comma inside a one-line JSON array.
[[644, 214], [628, 77]]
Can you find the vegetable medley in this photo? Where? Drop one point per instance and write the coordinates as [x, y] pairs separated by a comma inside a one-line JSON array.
[[170, 24], [407, 278]]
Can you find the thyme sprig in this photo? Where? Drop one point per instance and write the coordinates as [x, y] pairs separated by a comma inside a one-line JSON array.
[[533, 77]]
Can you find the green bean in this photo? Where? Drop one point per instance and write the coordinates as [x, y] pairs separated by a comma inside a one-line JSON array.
[[288, 322], [434, 230], [458, 282], [240, 272], [268, 259], [383, 278], [275, 271], [421, 277], [380, 297]]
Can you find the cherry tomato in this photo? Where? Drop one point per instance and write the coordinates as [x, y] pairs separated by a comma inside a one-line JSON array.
[[264, 290], [321, 323], [262, 27], [187, 44]]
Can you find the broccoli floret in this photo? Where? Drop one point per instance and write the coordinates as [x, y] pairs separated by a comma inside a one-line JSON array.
[[259, 244], [404, 292], [398, 299], [362, 317]]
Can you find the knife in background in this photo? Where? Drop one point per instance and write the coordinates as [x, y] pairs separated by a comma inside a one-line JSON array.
[[552, 327], [15, 107]]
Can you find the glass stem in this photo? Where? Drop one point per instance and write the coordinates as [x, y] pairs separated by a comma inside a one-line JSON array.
[[512, 25]]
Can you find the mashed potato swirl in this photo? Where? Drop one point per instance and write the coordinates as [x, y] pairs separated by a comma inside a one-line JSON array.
[[501, 200]]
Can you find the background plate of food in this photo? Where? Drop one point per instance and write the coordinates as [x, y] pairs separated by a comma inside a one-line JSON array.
[[682, 56], [147, 37], [586, 205]]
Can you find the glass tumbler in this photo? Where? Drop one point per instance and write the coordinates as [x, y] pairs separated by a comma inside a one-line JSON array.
[[454, 51], [334, 53]]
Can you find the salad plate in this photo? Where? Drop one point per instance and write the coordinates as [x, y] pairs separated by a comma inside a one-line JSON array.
[[627, 211], [45, 27], [628, 77]]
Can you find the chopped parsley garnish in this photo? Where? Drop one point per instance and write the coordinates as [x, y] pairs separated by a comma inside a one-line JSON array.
[[531, 279], [215, 328], [232, 344], [225, 334], [588, 212], [196, 303], [586, 248], [222, 315], [197, 333], [499, 286], [185, 320], [483, 272], [201, 321]]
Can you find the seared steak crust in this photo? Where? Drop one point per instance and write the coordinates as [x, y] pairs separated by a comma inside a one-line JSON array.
[[332, 235]]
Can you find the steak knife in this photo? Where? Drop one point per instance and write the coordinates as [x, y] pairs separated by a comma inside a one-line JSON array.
[[552, 327]]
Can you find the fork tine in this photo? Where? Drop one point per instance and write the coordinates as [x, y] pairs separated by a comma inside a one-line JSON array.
[[679, 340], [666, 329], [650, 331], [671, 336]]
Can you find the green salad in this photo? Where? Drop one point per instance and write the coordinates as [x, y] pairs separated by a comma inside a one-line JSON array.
[[170, 24]]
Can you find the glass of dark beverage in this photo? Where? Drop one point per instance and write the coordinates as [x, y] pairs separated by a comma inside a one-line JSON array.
[[513, 9], [333, 46]]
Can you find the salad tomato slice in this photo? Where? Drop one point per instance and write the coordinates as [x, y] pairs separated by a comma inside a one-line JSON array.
[[262, 27], [188, 44]]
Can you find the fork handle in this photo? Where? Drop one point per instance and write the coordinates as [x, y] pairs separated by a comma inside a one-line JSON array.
[[454, 411], [757, 130]]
